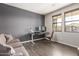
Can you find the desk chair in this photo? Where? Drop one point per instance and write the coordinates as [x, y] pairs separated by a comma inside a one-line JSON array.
[[49, 38]]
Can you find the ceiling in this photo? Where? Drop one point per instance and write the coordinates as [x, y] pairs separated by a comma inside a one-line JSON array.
[[40, 8]]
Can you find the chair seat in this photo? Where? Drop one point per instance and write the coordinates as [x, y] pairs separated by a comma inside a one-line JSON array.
[[49, 38]]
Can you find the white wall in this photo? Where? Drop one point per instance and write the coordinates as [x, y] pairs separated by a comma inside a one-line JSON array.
[[71, 39], [63, 37], [48, 24]]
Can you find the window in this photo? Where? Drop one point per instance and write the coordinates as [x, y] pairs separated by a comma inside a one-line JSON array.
[[57, 21], [72, 21]]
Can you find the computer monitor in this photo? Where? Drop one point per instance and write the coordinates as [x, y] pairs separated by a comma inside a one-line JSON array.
[[40, 28]]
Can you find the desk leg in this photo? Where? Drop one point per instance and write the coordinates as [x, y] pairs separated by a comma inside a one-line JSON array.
[[32, 39]]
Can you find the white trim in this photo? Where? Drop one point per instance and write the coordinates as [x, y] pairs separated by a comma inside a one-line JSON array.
[[63, 22]]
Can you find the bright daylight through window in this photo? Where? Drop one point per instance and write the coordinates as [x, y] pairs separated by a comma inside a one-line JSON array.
[[72, 21], [57, 23]]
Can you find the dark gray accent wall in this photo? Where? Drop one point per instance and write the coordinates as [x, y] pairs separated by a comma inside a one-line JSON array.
[[18, 22]]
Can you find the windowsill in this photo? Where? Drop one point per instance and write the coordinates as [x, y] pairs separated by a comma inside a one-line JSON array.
[[71, 32]]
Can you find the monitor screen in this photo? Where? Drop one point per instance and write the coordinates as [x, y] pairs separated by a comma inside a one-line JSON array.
[[40, 28]]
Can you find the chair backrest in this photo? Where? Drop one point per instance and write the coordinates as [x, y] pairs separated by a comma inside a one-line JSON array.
[[52, 35]]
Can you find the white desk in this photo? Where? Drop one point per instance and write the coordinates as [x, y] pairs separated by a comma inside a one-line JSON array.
[[36, 33]]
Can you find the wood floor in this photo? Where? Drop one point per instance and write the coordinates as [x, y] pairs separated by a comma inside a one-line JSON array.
[[49, 48]]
